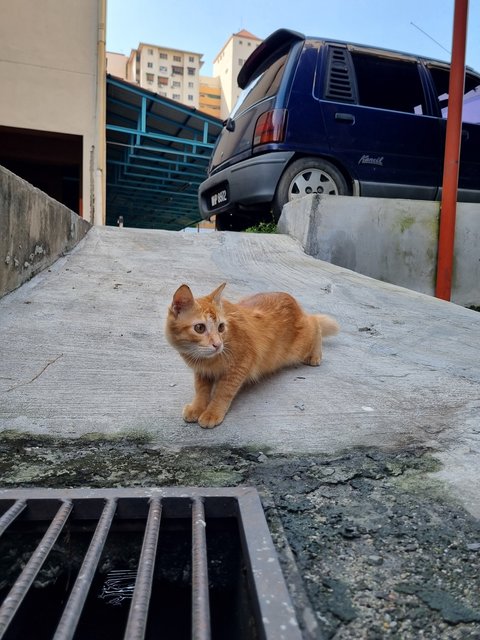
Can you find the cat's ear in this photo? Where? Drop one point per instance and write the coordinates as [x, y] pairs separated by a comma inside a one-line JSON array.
[[215, 295], [182, 300]]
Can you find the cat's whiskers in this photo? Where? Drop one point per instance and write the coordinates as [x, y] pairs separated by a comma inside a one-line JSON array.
[[227, 353], [199, 353]]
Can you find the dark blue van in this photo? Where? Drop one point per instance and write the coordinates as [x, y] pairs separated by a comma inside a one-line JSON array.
[[320, 116]]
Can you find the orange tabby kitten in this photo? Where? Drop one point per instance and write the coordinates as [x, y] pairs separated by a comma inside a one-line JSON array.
[[229, 344]]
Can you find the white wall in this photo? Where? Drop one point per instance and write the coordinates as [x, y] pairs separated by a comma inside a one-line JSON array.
[[53, 79]]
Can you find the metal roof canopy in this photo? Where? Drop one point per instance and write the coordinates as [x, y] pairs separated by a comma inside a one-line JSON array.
[[157, 154]]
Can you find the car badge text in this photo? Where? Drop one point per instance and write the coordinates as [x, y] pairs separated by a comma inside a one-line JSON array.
[[365, 159]]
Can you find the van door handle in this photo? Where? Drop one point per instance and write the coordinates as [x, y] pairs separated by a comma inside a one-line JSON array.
[[346, 118], [465, 134]]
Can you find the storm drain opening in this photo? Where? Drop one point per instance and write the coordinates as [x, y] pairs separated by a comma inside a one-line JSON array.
[[142, 563]]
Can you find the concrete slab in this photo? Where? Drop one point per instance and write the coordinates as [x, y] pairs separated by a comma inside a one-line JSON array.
[[392, 240], [83, 350]]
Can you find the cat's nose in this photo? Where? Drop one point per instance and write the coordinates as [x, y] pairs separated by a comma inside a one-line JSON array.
[[216, 345]]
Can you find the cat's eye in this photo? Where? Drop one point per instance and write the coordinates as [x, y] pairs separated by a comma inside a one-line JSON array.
[[221, 327], [200, 327]]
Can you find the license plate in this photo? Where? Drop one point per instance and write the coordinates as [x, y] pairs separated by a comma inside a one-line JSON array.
[[218, 198]]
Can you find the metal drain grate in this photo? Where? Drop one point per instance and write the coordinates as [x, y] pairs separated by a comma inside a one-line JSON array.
[[141, 563]]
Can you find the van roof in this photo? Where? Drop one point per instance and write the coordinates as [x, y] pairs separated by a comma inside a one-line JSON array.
[[281, 37]]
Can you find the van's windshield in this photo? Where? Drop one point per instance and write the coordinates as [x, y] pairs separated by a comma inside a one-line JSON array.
[[263, 85]]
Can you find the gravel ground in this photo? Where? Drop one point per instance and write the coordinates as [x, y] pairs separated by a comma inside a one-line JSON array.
[[370, 545]]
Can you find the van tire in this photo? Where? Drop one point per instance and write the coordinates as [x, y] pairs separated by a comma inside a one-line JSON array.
[[305, 176]]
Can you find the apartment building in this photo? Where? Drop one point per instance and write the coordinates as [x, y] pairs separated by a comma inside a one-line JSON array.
[[228, 63], [210, 100], [171, 73], [117, 65], [175, 74]]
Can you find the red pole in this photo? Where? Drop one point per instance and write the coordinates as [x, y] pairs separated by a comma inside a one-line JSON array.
[[448, 209]]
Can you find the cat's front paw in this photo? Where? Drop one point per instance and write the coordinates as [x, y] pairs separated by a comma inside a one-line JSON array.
[[313, 360], [190, 413], [210, 419]]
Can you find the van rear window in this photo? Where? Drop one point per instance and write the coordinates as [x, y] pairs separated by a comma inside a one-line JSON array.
[[471, 98], [264, 85], [391, 84]]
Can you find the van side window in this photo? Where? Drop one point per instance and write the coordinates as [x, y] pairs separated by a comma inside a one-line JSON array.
[[471, 97], [386, 83]]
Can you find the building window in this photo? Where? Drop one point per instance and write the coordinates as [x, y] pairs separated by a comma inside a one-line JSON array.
[[212, 96], [177, 58], [163, 69], [240, 42], [249, 44], [162, 81], [177, 84], [164, 56], [240, 61], [150, 52], [190, 97], [176, 96], [177, 70], [150, 65], [150, 77], [191, 71], [191, 59], [191, 85]]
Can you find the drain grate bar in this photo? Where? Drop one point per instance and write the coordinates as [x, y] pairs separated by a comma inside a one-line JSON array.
[[24, 582], [73, 608], [200, 597], [170, 562], [137, 618], [11, 514]]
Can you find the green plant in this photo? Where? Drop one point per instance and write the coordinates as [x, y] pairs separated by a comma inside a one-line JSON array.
[[263, 227]]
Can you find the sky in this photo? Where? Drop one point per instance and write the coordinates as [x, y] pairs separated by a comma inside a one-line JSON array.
[[422, 27]]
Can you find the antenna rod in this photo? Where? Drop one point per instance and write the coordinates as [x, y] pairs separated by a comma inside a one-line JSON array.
[[429, 36]]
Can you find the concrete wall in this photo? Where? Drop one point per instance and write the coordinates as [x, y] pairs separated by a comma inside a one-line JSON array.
[[34, 231], [390, 240], [52, 70]]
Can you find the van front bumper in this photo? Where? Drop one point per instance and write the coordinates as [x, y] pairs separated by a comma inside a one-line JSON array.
[[245, 184]]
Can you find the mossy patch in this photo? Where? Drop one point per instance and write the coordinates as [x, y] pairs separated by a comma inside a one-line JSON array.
[[405, 222]]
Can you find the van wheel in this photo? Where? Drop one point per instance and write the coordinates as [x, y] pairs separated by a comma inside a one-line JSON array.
[[305, 176]]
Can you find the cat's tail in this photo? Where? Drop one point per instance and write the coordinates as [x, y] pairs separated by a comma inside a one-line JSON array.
[[328, 325]]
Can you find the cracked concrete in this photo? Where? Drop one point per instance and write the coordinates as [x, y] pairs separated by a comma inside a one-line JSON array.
[[367, 465], [83, 351], [371, 545]]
